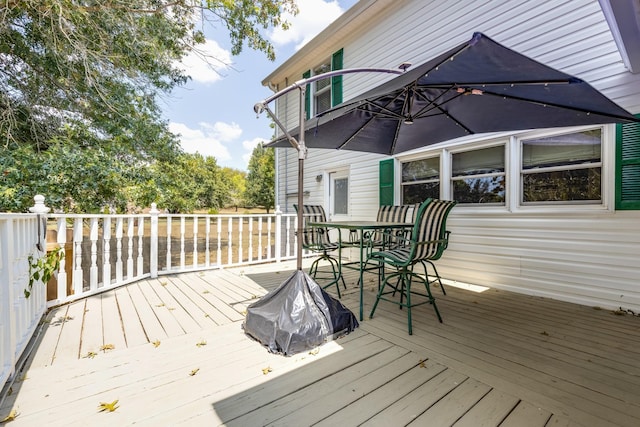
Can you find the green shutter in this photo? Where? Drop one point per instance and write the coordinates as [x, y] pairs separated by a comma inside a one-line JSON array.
[[386, 182], [628, 166], [336, 81], [307, 96]]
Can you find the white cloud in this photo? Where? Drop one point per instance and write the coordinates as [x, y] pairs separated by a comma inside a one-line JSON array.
[[208, 63], [313, 16], [208, 139]]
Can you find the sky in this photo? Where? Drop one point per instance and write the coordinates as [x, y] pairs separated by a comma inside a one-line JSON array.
[[213, 113]]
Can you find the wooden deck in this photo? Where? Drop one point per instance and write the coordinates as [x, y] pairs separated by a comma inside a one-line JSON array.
[[172, 352]]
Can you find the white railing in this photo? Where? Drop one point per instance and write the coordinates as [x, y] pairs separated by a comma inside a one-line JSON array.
[[106, 251], [19, 315]]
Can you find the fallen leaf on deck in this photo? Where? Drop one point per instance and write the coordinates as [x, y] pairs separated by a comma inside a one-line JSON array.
[[201, 343], [110, 407], [91, 355], [193, 372], [160, 305], [314, 351], [266, 370], [107, 347], [205, 292], [163, 283], [545, 333], [422, 364], [12, 416], [156, 343]]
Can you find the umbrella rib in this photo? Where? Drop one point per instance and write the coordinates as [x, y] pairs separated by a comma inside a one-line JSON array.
[[374, 115], [553, 104], [433, 105]]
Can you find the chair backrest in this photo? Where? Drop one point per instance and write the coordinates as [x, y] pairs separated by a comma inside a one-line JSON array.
[[392, 213], [430, 231], [313, 237]]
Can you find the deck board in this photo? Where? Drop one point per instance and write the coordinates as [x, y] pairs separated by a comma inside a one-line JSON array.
[[498, 359]]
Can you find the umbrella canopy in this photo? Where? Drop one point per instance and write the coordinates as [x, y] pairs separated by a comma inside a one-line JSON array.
[[479, 86]]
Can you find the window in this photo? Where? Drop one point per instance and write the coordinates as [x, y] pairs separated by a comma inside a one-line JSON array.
[[323, 94], [420, 180], [339, 193], [321, 90], [562, 168], [478, 176]]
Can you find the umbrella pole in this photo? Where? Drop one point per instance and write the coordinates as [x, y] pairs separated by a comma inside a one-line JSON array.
[[302, 153]]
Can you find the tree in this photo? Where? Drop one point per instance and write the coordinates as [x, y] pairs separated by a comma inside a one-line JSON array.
[[261, 178], [190, 183], [236, 180], [83, 78]]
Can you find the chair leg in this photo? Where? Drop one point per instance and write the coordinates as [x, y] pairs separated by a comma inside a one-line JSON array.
[[405, 277], [335, 277], [435, 270]]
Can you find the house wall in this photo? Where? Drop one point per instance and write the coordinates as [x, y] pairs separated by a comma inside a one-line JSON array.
[[589, 256]]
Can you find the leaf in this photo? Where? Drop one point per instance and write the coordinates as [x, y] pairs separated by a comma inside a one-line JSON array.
[[12, 416], [156, 343], [422, 364], [193, 372], [266, 370], [91, 355], [107, 347], [314, 351], [110, 407], [201, 343]]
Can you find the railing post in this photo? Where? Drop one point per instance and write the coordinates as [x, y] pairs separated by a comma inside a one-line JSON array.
[[278, 242], [153, 240]]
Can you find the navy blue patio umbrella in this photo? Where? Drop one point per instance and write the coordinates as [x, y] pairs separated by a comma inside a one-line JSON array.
[[479, 86]]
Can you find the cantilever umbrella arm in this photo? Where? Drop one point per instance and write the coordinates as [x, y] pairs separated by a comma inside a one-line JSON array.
[[299, 144]]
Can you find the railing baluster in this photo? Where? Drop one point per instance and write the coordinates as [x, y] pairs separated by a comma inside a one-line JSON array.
[[269, 237], [140, 271], [250, 249], [240, 237], [195, 242], [119, 263], [229, 242], [78, 285], [207, 232], [62, 273], [93, 269], [182, 230], [168, 268], [106, 251], [219, 244], [130, 234], [260, 237]]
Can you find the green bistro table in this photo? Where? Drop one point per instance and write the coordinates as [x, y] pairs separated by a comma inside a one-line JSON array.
[[360, 227]]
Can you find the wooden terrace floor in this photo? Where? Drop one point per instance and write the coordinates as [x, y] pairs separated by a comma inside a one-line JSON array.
[[172, 352]]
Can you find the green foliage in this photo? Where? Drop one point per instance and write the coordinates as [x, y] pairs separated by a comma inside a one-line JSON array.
[[260, 187], [79, 90], [43, 268], [190, 183]]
